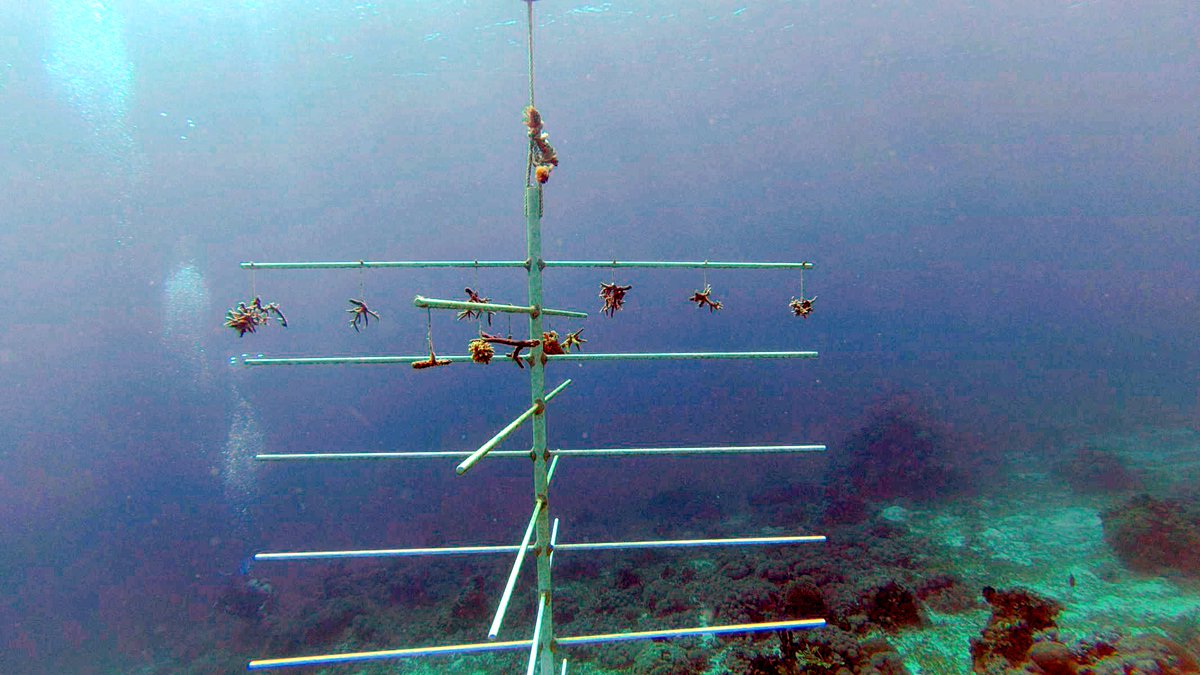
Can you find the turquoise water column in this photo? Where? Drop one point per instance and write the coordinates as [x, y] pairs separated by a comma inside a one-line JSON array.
[[537, 390]]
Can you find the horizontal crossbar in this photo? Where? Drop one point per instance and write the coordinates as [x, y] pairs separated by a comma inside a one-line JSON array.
[[581, 640], [669, 356], [416, 264], [367, 264], [667, 264], [583, 546], [577, 452], [632, 356]]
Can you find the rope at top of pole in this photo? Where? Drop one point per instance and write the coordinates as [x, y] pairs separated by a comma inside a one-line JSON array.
[[530, 34]]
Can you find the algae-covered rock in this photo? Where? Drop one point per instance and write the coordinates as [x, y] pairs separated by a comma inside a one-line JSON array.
[[1017, 615], [1155, 535], [900, 453]]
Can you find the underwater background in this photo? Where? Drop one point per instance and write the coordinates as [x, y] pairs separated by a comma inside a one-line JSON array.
[[1000, 200]]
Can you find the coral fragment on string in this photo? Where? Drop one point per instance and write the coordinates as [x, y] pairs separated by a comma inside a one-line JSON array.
[[702, 299], [246, 318], [361, 313], [433, 362], [802, 306], [472, 296], [614, 297]]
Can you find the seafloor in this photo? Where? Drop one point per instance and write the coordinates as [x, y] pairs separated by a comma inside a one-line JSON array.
[[1034, 558]]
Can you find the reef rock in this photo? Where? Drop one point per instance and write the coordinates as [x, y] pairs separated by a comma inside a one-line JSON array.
[[901, 453], [1017, 615], [1095, 470], [1154, 535]]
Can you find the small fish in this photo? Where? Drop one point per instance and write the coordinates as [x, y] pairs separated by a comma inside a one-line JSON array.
[[1071, 580]]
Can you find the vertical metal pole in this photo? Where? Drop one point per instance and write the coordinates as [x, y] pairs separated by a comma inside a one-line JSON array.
[[537, 389]]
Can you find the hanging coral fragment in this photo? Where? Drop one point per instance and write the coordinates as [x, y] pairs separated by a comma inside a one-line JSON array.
[[246, 318], [802, 306], [614, 297], [361, 313], [469, 314], [702, 299]]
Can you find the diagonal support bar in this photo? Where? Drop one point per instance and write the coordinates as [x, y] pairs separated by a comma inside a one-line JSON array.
[[434, 303], [537, 634], [516, 570], [507, 431]]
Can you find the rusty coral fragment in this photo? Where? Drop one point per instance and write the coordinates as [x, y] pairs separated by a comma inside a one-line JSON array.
[[802, 306], [550, 345], [517, 345], [702, 299], [472, 296], [433, 362], [543, 157], [246, 318], [614, 297]]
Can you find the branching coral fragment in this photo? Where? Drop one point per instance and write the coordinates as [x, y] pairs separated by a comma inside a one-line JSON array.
[[247, 318], [702, 299], [517, 345], [572, 340], [472, 296], [361, 313], [614, 297], [802, 306]]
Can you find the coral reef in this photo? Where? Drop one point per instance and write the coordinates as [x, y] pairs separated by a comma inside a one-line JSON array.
[[1155, 535], [249, 600], [831, 651], [901, 453], [1017, 615], [1106, 654], [893, 606], [946, 593], [1092, 470], [668, 658]]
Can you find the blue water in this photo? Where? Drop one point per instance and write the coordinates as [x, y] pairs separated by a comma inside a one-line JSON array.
[[1000, 200]]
